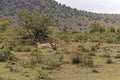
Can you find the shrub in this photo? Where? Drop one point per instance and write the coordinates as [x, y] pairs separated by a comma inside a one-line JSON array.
[[6, 54], [109, 61], [76, 60], [51, 63], [84, 60], [42, 74]]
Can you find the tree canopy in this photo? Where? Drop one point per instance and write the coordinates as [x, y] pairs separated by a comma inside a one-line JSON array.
[[35, 24]]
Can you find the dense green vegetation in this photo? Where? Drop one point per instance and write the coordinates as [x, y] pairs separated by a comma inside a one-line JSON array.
[[37, 26]]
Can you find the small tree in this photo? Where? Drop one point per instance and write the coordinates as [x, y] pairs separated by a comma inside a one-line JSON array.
[[35, 24]]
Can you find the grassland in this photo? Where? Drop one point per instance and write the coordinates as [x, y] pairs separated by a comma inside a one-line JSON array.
[[16, 70], [85, 55]]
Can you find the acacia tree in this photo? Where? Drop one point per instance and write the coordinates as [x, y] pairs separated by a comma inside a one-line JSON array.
[[35, 24]]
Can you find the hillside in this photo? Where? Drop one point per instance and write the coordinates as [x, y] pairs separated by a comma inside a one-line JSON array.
[[75, 19]]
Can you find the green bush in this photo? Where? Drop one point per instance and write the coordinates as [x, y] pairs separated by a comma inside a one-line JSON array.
[[84, 60], [42, 74], [6, 54], [51, 63]]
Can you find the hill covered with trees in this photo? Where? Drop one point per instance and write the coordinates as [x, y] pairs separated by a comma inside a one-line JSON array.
[[64, 16]]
